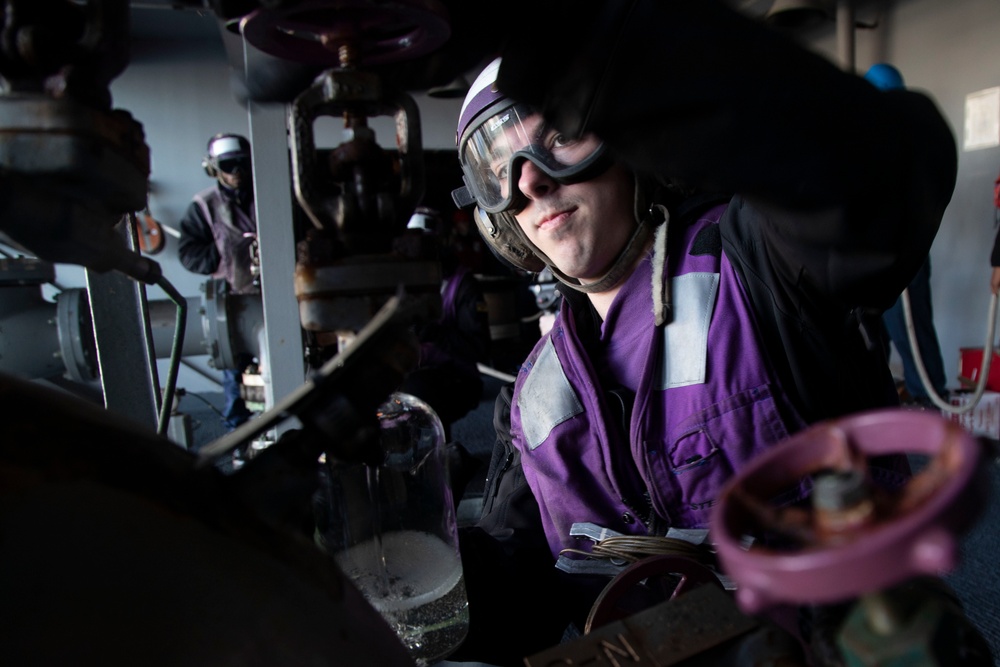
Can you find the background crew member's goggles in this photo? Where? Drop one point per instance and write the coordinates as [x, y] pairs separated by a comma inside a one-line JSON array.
[[234, 164], [493, 152]]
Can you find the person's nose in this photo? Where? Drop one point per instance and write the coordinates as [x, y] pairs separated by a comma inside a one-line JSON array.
[[534, 182]]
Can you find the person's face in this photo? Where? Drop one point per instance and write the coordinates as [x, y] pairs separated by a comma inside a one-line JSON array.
[[492, 153], [545, 142], [235, 173], [581, 227]]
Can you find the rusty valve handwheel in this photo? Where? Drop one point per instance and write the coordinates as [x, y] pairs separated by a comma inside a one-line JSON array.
[[863, 540], [313, 31]]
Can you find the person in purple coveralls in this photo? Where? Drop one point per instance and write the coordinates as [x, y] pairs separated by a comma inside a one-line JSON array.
[[218, 233], [727, 222]]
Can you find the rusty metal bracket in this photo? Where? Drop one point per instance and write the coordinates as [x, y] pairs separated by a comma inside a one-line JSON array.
[[660, 636]]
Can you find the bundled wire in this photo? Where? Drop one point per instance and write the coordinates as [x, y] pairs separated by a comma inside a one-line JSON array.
[[633, 548]]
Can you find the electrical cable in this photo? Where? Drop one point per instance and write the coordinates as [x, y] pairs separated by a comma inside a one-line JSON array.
[[175, 352], [984, 370], [203, 400]]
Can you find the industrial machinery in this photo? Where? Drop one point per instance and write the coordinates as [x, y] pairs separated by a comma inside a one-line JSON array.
[[131, 522]]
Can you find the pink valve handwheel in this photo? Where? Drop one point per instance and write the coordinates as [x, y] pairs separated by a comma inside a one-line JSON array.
[[913, 530], [381, 33]]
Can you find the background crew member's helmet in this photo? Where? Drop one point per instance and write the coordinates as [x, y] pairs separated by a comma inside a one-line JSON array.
[[227, 153], [884, 77], [495, 136], [425, 219]]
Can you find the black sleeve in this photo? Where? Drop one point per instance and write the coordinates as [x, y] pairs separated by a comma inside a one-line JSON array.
[[695, 92], [828, 354], [516, 604], [995, 255], [196, 248]]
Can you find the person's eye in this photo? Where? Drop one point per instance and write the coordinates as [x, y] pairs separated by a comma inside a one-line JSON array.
[[553, 139], [561, 141]]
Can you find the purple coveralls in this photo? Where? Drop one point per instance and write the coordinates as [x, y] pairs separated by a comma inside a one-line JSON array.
[[706, 402]]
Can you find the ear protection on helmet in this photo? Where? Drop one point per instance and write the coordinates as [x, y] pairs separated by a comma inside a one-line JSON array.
[[209, 168]]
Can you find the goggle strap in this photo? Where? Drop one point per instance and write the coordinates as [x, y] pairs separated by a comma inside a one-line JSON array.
[[463, 196]]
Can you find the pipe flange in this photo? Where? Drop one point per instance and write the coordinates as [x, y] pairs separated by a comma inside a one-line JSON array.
[[230, 323], [215, 324], [346, 295], [75, 327]]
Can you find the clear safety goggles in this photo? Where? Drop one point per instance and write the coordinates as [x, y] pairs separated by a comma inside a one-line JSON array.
[[493, 153]]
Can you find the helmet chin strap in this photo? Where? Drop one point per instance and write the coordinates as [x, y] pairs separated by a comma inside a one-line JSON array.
[[626, 259]]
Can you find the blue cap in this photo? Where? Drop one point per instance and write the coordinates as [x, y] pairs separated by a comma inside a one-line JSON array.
[[885, 77]]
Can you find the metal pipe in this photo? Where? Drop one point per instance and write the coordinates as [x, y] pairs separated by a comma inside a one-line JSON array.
[[845, 35], [163, 314], [41, 339]]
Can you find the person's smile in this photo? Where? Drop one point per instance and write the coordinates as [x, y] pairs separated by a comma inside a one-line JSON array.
[[556, 220]]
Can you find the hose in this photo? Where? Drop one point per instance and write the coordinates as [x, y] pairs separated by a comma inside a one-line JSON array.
[[984, 370], [175, 353]]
